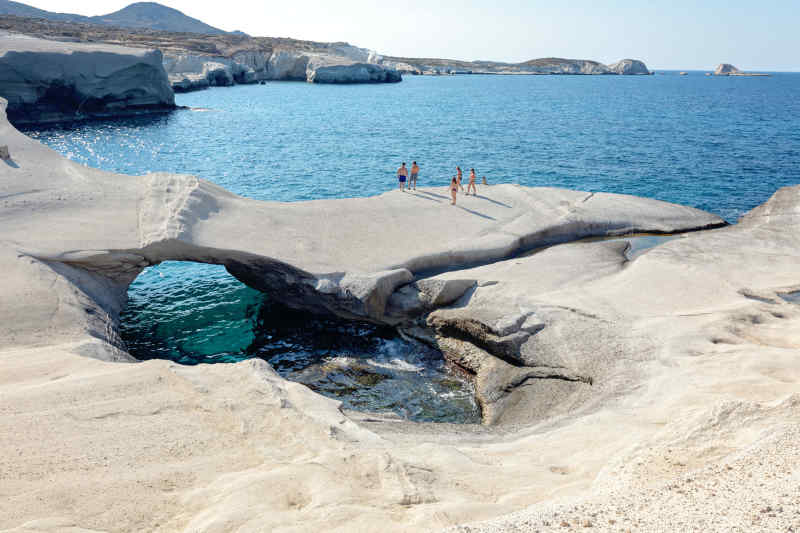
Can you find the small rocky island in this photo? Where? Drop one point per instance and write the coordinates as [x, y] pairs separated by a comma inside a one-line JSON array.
[[726, 69]]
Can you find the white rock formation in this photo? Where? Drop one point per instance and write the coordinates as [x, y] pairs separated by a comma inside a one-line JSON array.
[[626, 388], [551, 65], [189, 72], [162, 217], [53, 81], [565, 66], [339, 63], [629, 67], [726, 69], [354, 73]]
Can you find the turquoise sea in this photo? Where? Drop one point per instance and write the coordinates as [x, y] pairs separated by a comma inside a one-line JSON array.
[[717, 143]]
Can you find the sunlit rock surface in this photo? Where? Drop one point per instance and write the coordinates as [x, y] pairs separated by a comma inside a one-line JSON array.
[[53, 81], [612, 383]]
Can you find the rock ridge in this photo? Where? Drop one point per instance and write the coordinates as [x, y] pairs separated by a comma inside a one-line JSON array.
[[160, 217]]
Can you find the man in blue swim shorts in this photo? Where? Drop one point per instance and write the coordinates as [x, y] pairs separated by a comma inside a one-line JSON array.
[[402, 174]]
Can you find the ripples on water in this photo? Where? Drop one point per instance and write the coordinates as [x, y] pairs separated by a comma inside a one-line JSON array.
[[206, 316], [723, 144]]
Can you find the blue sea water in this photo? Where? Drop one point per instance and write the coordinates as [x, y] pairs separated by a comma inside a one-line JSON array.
[[723, 144]]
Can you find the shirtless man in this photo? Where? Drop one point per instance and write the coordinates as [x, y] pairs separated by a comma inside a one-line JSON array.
[[414, 173], [402, 174], [458, 178], [471, 184]]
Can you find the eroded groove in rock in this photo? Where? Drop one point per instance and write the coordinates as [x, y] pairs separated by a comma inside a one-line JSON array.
[[495, 380], [493, 361], [504, 347]]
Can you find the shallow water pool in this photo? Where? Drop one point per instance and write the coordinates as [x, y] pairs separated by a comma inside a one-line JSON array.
[[207, 316]]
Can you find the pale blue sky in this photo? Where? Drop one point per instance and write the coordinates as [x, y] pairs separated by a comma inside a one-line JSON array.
[[762, 35]]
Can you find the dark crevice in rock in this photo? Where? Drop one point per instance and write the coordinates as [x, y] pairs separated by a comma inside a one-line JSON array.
[[505, 348], [566, 233]]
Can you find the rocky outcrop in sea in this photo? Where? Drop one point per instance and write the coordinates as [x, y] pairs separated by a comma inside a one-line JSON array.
[[629, 67], [46, 81], [726, 69]]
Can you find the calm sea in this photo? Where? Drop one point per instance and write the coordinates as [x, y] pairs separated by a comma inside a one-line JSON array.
[[719, 144]]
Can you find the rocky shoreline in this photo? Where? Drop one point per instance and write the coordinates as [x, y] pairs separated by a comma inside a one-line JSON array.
[[616, 392], [195, 61]]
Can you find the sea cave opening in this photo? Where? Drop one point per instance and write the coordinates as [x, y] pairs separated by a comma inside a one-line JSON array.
[[193, 313]]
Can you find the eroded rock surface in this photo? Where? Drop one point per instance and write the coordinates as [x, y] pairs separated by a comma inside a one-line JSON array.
[[351, 268], [548, 65], [629, 67], [55, 81], [726, 69], [621, 383]]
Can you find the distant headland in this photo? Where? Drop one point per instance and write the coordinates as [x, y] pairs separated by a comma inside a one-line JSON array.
[[198, 55], [48, 62]]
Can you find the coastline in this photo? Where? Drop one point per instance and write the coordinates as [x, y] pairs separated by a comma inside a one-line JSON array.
[[158, 446]]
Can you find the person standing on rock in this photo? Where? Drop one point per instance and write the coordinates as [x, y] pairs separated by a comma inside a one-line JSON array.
[[414, 174], [471, 184], [402, 174], [453, 190], [458, 178]]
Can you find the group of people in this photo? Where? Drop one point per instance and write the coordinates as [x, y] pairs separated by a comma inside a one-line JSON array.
[[455, 182]]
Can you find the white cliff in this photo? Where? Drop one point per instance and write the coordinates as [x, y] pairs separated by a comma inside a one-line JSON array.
[[53, 81], [338, 63]]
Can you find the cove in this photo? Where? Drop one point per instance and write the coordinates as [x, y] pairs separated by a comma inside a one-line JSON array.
[[198, 314]]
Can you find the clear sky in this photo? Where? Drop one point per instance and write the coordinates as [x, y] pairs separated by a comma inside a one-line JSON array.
[[681, 34]]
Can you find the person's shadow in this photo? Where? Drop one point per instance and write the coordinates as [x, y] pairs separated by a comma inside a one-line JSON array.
[[476, 213], [490, 200]]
